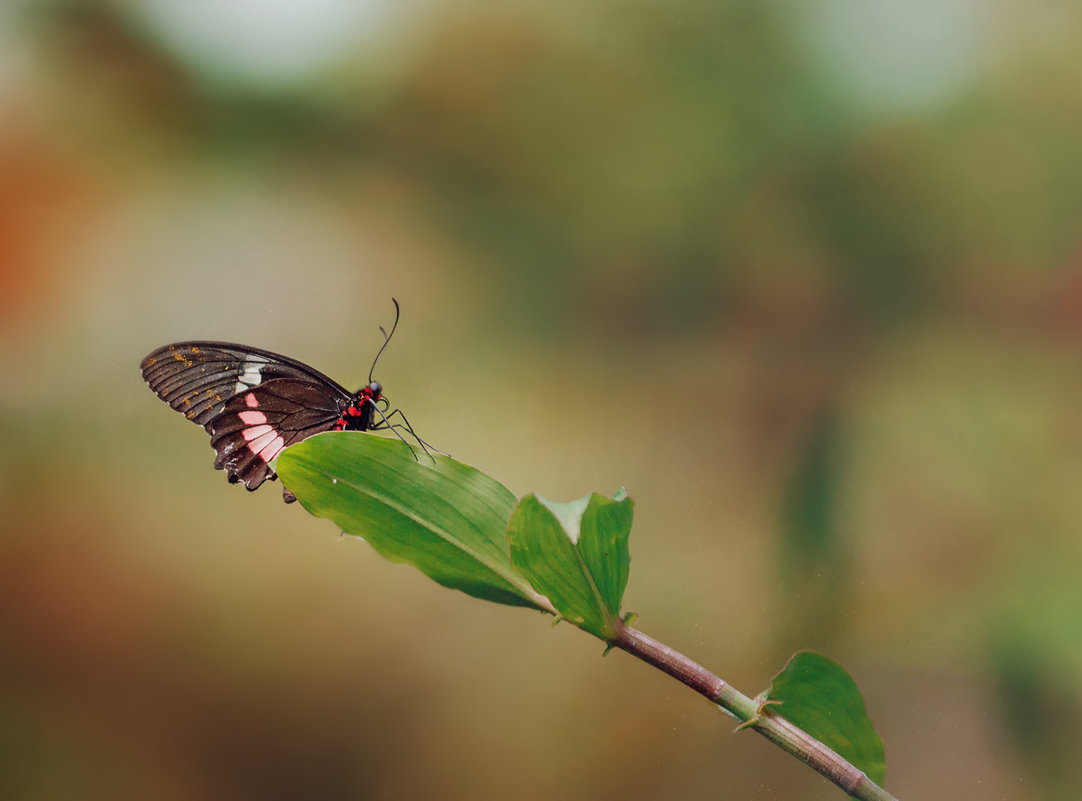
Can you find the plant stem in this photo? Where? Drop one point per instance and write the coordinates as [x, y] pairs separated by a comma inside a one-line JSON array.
[[772, 726]]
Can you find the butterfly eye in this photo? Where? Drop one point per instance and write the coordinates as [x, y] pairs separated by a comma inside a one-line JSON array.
[[376, 388]]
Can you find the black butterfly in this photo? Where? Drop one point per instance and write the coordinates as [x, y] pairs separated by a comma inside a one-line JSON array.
[[255, 403]]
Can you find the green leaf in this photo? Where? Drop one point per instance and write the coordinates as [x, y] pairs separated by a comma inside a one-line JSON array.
[[817, 694], [576, 555], [446, 518]]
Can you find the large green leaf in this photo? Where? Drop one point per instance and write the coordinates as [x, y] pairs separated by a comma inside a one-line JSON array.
[[576, 554], [819, 696], [442, 516]]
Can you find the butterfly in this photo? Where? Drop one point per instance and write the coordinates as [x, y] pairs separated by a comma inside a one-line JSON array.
[[255, 403]]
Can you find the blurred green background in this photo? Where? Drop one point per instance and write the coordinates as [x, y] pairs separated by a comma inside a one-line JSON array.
[[805, 278]]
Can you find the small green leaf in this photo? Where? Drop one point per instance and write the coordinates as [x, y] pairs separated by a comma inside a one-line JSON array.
[[576, 555], [819, 696], [446, 518]]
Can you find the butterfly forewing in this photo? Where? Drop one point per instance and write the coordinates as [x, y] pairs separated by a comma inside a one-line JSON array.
[[197, 378]]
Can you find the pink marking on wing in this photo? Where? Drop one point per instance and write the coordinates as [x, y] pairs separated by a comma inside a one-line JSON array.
[[252, 418], [255, 432], [258, 444], [251, 400], [269, 453]]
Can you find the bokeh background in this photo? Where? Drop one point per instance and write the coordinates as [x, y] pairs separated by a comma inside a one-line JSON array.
[[805, 278]]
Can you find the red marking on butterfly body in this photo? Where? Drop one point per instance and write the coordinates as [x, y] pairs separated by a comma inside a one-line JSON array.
[[366, 397]]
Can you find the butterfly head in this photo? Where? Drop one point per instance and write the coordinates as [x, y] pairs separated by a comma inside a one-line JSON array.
[[373, 391]]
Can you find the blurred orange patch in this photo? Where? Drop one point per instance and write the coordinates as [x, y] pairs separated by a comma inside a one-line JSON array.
[[44, 200]]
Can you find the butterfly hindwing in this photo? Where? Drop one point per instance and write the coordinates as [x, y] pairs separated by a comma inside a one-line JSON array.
[[255, 425]]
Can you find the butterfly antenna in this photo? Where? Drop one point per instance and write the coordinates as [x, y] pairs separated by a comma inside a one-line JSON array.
[[386, 338]]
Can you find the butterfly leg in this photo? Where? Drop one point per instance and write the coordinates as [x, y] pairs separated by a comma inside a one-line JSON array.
[[429, 448], [388, 425]]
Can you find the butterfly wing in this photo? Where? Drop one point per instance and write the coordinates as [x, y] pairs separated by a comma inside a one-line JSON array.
[[254, 426], [198, 378], [252, 402]]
